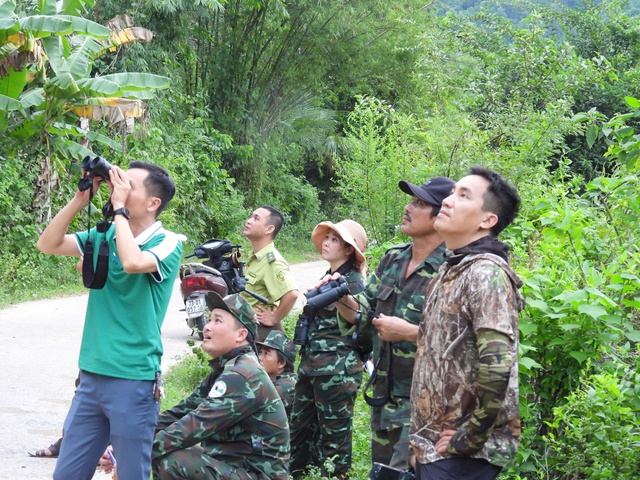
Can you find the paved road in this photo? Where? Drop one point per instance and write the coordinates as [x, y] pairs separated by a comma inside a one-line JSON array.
[[39, 344]]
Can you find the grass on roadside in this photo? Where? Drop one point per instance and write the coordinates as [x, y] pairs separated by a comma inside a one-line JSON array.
[[24, 280]]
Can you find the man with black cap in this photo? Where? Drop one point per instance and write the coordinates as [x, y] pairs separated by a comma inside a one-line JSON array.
[[392, 303], [234, 424]]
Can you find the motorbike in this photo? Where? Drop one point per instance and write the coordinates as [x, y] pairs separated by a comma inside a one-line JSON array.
[[221, 272]]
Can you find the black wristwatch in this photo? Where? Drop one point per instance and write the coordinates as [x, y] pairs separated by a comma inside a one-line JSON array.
[[122, 211]]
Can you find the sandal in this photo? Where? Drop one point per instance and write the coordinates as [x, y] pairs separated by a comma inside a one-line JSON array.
[[52, 449]]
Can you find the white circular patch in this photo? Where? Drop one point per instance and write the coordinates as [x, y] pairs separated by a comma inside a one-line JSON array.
[[219, 388]]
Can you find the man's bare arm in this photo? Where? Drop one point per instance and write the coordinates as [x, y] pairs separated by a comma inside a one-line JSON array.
[[55, 240], [133, 259]]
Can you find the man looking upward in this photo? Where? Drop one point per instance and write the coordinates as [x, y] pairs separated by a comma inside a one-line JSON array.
[[117, 397], [395, 294], [267, 271], [464, 399]]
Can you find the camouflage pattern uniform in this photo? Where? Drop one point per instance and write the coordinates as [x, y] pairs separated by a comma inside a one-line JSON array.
[[466, 374], [285, 384], [233, 426], [388, 292], [329, 375]]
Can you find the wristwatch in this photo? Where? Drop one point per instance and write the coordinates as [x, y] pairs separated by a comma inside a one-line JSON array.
[[122, 211]]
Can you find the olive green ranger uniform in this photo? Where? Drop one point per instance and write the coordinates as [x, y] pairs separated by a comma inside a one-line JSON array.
[[388, 292], [268, 275], [466, 374], [329, 375], [233, 426]]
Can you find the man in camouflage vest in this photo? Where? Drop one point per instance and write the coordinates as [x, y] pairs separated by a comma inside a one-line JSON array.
[[464, 399], [391, 306], [234, 424]]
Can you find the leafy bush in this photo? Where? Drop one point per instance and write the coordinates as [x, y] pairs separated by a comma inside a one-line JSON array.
[[596, 431]]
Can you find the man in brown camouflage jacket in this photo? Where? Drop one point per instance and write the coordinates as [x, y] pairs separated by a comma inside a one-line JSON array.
[[464, 397]]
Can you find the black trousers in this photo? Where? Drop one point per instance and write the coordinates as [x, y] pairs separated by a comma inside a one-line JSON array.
[[457, 468]]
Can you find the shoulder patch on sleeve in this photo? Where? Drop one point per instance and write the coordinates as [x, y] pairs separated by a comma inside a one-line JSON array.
[[271, 257], [280, 275], [219, 389]]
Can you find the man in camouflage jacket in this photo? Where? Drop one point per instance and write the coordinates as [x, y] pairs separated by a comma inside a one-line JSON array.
[[277, 353], [464, 399], [234, 424], [391, 306]]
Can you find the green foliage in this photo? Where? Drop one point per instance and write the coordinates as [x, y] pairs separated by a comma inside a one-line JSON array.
[[384, 147], [206, 204], [596, 431], [183, 377], [580, 269]]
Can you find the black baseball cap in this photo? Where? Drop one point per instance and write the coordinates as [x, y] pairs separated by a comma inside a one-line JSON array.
[[432, 191]]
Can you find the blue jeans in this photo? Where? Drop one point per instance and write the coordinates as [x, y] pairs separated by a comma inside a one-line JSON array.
[[107, 410]]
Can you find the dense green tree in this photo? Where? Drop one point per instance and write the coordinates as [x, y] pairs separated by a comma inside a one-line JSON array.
[[47, 50], [279, 78]]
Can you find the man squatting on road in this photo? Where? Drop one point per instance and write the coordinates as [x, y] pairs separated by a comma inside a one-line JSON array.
[[234, 425]]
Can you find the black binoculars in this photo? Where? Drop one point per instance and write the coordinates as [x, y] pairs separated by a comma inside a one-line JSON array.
[[385, 472], [318, 299], [93, 167]]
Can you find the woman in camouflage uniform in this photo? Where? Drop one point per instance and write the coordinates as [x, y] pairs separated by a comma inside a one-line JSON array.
[[330, 370]]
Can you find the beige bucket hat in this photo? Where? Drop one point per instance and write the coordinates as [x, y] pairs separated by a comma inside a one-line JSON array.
[[351, 232]]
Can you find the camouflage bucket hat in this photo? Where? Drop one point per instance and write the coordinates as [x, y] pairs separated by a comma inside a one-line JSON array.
[[279, 341], [236, 306]]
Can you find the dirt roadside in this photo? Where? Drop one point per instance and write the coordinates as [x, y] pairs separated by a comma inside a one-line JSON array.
[[39, 345]]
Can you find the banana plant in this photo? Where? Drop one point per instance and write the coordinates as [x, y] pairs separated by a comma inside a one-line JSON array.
[[47, 51]]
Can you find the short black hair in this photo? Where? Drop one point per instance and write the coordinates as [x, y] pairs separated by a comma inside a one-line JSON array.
[[275, 218], [500, 198], [158, 183]]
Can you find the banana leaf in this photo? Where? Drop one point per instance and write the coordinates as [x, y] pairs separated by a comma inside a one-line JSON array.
[[8, 104], [41, 26]]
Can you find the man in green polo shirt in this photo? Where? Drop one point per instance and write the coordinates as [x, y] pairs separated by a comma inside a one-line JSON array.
[[267, 271], [117, 399]]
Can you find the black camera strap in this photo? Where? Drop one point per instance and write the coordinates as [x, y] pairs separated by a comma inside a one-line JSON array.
[[95, 278], [385, 354]]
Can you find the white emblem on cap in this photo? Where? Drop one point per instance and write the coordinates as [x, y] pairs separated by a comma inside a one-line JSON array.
[[218, 389]]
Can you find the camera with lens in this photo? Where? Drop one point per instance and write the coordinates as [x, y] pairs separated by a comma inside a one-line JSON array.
[[93, 167], [317, 299], [385, 472]]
